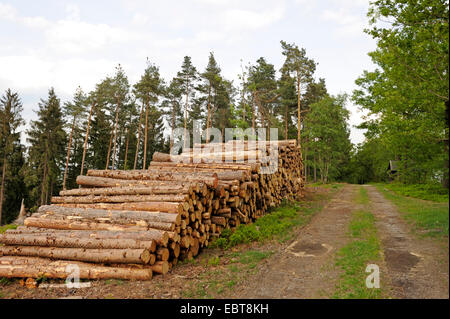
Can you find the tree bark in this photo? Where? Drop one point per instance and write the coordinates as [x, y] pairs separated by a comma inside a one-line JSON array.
[[207, 118], [136, 256], [32, 267], [68, 153], [167, 207], [59, 240], [2, 188], [158, 174], [299, 123], [149, 190], [161, 237], [138, 137], [119, 214], [86, 138], [146, 133], [115, 134], [159, 180]]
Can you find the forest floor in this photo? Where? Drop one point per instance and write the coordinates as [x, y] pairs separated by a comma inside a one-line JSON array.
[[338, 230]]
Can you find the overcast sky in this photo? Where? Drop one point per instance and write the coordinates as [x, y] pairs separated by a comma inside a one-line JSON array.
[[69, 43]]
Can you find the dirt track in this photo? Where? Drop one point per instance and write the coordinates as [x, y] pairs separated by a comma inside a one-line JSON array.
[[412, 267], [416, 268]]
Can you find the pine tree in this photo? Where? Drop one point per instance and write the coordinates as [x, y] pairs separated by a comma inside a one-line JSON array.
[[148, 90], [47, 140], [263, 84], [211, 77], [303, 67], [173, 107], [74, 112], [11, 156], [187, 77]]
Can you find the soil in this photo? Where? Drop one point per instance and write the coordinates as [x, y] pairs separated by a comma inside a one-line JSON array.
[[305, 267], [416, 267]]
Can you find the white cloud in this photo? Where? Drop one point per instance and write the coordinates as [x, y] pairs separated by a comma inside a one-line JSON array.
[[236, 19], [7, 12], [73, 11], [80, 37], [349, 23]]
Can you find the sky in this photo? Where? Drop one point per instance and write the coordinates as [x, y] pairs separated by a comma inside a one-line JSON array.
[[66, 44]]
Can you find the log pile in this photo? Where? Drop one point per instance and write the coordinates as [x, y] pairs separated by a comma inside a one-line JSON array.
[[131, 224]]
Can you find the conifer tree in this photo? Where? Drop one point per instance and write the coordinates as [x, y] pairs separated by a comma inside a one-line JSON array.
[[47, 140], [11, 156]]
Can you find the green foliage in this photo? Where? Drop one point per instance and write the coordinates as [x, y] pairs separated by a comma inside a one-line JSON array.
[[408, 93], [6, 227], [214, 261], [428, 218], [328, 136], [12, 187], [433, 192], [354, 257], [275, 225], [47, 140]]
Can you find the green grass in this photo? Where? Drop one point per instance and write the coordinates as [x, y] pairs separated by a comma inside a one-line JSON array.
[[220, 275], [276, 225], [432, 192], [4, 228], [354, 257], [363, 197], [330, 185], [427, 217]]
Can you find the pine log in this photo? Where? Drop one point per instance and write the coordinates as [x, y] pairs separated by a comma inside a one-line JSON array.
[[168, 207], [89, 225], [62, 241], [160, 267], [138, 256], [118, 199], [101, 213], [125, 190], [32, 267], [159, 236]]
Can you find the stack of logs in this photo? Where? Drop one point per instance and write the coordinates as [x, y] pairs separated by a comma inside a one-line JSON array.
[[131, 224]]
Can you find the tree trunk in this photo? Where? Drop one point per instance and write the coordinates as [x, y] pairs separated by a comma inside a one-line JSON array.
[[156, 173], [109, 151], [138, 136], [173, 128], [32, 267], [118, 199], [146, 134], [126, 151], [2, 188], [161, 237], [62, 241], [148, 190], [111, 214], [86, 138], [185, 113], [115, 134], [207, 119], [44, 178], [135, 256], [298, 108], [168, 207], [68, 153]]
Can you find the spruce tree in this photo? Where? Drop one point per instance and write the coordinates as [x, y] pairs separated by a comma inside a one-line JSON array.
[[47, 140], [11, 155], [74, 112]]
